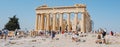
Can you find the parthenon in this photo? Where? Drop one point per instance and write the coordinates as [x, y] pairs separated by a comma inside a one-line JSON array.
[[51, 18]]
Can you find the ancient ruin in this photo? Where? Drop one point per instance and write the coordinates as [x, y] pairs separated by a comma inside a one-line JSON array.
[[51, 18]]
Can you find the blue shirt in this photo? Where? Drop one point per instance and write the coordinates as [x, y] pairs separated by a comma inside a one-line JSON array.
[[5, 32]]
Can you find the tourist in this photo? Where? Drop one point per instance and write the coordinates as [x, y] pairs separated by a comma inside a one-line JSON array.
[[5, 31], [99, 38], [103, 36], [53, 34], [77, 33], [65, 34], [1, 34], [49, 32], [74, 36], [62, 32], [111, 33], [16, 32], [39, 32]]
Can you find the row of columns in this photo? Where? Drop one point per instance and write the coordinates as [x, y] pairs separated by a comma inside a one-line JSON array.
[[40, 20]]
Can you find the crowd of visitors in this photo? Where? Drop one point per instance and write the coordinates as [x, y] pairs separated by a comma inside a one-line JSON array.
[[101, 37], [75, 35]]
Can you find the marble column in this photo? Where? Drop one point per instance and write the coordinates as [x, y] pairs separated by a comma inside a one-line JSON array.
[[36, 25], [39, 21], [76, 20], [83, 26], [54, 21], [42, 22], [48, 22], [88, 23], [68, 21], [61, 21]]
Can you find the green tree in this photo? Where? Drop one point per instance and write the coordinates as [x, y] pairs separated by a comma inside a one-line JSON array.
[[12, 24]]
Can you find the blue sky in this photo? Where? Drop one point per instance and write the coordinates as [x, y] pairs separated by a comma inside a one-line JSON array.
[[104, 13]]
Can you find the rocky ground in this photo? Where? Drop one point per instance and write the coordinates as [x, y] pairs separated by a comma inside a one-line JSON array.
[[60, 41]]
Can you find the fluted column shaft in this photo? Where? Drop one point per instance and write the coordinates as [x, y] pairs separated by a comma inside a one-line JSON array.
[[76, 21], [83, 26], [39, 17], [68, 21], [48, 22], [54, 22], [61, 21], [42, 22], [36, 25]]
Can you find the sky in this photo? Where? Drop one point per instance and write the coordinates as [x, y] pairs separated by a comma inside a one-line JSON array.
[[104, 13]]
